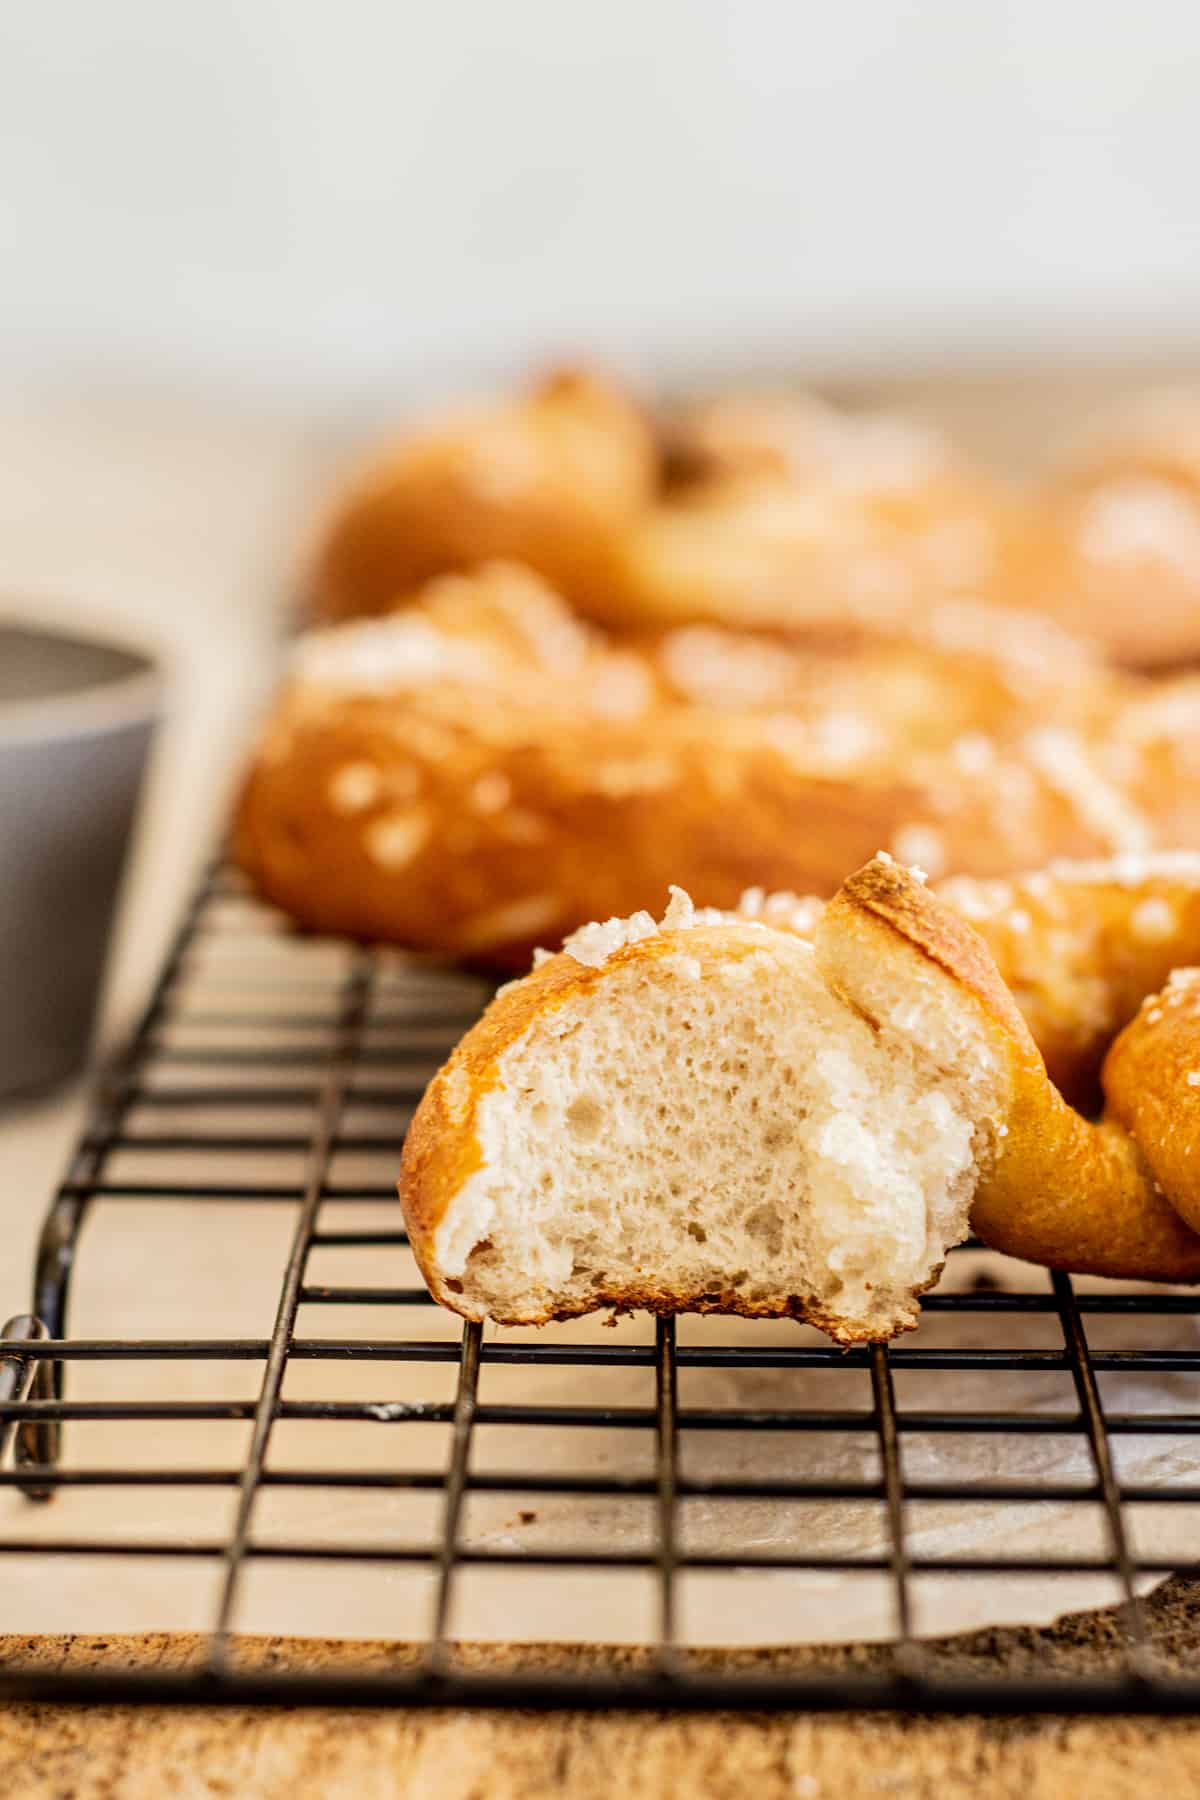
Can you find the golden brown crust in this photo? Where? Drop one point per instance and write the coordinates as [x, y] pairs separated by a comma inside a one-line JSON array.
[[1085, 561], [780, 512], [1114, 544], [886, 893], [795, 515], [738, 814], [1059, 1189], [549, 478], [1152, 1086], [545, 776], [757, 549], [1102, 1198], [1080, 949]]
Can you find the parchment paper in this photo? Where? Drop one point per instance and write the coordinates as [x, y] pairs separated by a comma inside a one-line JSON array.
[[196, 1268]]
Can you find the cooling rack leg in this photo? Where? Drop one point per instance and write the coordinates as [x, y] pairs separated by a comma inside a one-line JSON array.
[[18, 1375], [38, 1442]]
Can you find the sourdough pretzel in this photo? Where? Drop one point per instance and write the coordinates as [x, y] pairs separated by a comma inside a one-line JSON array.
[[550, 478], [698, 1116], [1081, 944], [1055, 1188], [1100, 959], [714, 1114], [568, 477], [801, 513], [877, 454], [776, 512], [756, 548], [1116, 545], [779, 512], [1152, 1085], [481, 773]]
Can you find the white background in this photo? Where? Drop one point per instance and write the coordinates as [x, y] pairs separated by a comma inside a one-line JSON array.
[[324, 200]]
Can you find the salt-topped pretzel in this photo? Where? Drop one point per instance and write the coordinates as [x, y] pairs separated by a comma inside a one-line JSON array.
[[1081, 945], [481, 772], [1101, 961], [1152, 1086], [549, 477], [801, 435], [771, 512], [1116, 546], [781, 512], [1055, 1187], [910, 517], [716, 1114], [758, 549]]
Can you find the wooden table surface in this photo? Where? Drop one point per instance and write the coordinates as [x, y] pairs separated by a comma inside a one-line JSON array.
[[119, 1753]]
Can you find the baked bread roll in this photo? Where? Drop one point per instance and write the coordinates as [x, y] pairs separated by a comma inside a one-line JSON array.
[[713, 1114], [482, 773], [1152, 1089], [776, 513], [761, 551], [1080, 945], [1116, 551], [549, 478], [1053, 1187], [801, 517], [800, 435], [779, 512], [937, 521], [1100, 959]]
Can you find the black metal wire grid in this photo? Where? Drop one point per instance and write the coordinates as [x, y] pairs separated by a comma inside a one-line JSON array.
[[350, 1063]]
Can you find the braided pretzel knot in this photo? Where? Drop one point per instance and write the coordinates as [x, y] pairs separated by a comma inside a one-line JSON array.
[[708, 1114], [1082, 949]]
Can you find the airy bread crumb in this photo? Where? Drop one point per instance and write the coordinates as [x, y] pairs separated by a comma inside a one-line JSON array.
[[758, 1124]]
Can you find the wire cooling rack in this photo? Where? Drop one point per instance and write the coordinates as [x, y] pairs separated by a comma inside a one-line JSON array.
[[325, 1049]]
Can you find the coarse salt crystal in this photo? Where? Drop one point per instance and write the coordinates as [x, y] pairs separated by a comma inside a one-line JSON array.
[[974, 753], [1152, 920], [397, 838], [1063, 759], [1128, 870], [593, 944], [920, 845], [354, 786]]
